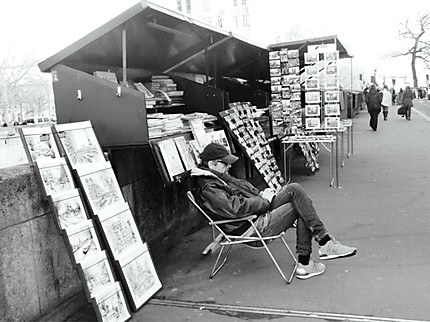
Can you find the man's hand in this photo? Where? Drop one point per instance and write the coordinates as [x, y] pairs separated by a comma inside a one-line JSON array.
[[268, 193]]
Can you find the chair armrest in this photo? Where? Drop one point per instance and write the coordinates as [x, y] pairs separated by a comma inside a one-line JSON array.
[[228, 221]]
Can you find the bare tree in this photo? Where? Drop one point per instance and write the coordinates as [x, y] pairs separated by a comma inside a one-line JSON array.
[[418, 34]]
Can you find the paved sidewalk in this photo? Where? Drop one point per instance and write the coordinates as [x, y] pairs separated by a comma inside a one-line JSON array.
[[382, 208]]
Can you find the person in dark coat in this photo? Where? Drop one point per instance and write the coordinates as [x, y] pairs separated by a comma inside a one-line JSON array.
[[373, 101], [408, 96]]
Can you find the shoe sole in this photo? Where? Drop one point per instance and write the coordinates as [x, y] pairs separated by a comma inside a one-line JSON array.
[[305, 277], [327, 257]]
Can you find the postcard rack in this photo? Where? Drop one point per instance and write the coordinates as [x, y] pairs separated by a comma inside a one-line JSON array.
[[95, 221], [250, 137]]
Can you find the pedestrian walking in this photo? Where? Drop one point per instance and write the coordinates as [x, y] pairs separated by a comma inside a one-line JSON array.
[[386, 101], [408, 96], [373, 101]]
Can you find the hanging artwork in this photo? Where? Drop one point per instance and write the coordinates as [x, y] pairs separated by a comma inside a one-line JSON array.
[[312, 123], [100, 186], [140, 278], [332, 122], [312, 110], [331, 96], [331, 109], [312, 97], [39, 144], [79, 143]]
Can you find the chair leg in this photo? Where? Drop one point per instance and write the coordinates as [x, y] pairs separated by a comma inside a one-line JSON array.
[[296, 263], [216, 269]]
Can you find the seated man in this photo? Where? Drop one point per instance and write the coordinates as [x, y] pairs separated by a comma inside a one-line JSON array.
[[222, 195]]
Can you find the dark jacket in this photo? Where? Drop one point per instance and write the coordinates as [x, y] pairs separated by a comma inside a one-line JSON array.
[[408, 96], [373, 99], [229, 198]]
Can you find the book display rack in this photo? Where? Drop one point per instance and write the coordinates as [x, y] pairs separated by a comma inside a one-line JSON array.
[[249, 135], [90, 212]]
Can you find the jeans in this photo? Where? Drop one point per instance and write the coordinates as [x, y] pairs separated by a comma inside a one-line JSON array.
[[374, 119], [281, 217]]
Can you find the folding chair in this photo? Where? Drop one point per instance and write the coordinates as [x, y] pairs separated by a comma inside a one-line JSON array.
[[246, 238]]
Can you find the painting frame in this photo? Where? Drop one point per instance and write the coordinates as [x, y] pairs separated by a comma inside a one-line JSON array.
[[54, 176], [68, 208], [312, 123], [332, 55], [139, 277], [79, 144], [312, 84], [331, 69], [331, 83], [119, 230], [39, 144], [311, 57], [100, 186], [111, 304]]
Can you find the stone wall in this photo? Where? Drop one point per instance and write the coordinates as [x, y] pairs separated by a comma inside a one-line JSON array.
[[36, 275]]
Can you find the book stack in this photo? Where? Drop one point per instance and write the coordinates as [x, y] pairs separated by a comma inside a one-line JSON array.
[[166, 85]]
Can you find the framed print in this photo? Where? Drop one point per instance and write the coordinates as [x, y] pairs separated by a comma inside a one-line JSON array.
[[331, 96], [54, 176], [312, 110], [140, 278], [312, 97], [332, 122], [332, 109], [100, 186], [283, 55], [331, 83], [96, 274], [295, 96], [119, 229], [311, 57], [83, 241], [79, 143], [275, 80], [312, 123], [312, 84], [293, 62], [293, 53], [286, 92], [274, 55], [331, 70], [331, 55], [185, 153], [111, 305], [275, 72], [39, 144], [67, 208], [275, 63], [311, 70]]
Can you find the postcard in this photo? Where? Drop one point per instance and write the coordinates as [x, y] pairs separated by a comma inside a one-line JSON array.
[[332, 109], [312, 97], [274, 55], [331, 96], [275, 72], [332, 122], [294, 53], [312, 110], [311, 57], [331, 55], [312, 123], [312, 84], [275, 63]]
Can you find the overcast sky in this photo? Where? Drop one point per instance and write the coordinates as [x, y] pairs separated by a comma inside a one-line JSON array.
[[367, 28]]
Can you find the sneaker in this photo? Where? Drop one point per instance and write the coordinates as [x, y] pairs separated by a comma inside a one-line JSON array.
[[312, 269], [333, 249]]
